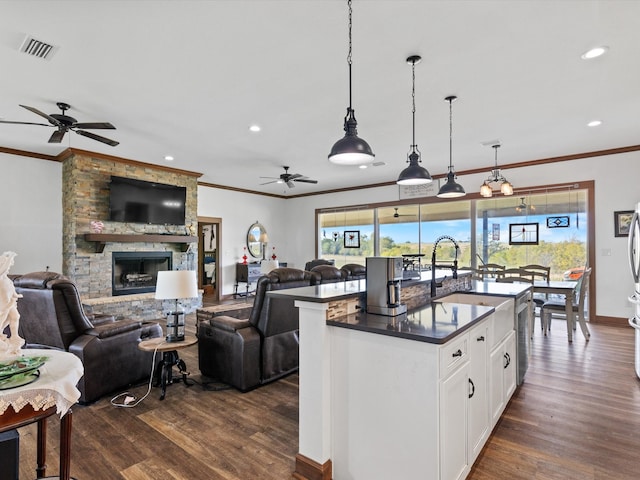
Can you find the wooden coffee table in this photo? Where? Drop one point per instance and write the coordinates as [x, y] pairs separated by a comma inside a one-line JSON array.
[[163, 375]]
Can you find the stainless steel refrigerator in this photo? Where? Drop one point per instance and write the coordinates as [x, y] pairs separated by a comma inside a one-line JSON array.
[[634, 265]]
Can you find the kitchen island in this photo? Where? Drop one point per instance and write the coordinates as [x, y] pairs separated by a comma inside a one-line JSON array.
[[412, 396]]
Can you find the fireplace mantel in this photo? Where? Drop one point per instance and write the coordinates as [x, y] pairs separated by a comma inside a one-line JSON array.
[[101, 239]]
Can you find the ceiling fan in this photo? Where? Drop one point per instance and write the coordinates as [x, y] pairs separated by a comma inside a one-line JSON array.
[[397, 215], [63, 123], [289, 178]]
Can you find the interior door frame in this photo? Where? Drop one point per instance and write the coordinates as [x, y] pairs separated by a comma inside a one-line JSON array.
[[210, 221]]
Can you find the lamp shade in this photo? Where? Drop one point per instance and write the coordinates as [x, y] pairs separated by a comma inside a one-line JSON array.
[[351, 150], [174, 284], [264, 238], [414, 174], [451, 189]]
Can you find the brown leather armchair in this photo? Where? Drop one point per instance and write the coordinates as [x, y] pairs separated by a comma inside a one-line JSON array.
[[51, 316], [354, 271], [246, 353]]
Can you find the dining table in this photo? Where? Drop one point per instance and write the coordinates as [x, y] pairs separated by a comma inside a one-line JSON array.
[[568, 290]]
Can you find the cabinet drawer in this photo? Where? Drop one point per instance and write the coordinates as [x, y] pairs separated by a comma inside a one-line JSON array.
[[453, 354]]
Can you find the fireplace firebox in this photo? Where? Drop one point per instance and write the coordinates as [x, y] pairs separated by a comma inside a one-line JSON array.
[[136, 272]]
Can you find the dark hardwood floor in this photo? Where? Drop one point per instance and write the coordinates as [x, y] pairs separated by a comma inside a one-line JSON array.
[[577, 416]]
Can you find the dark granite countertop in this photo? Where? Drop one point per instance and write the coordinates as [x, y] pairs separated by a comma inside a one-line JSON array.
[[329, 292], [437, 322]]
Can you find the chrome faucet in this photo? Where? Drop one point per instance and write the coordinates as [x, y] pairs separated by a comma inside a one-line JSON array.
[[434, 265]]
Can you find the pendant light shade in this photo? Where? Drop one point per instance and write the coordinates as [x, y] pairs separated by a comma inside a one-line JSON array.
[[496, 177], [351, 149], [451, 189], [414, 174]]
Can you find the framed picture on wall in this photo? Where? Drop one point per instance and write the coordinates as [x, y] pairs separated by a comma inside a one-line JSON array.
[[351, 239], [622, 222], [523, 234]]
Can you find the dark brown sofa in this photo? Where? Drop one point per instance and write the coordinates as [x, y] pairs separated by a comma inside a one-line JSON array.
[[51, 316], [246, 353]]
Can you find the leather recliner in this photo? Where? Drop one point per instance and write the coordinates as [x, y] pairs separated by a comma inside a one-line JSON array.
[[318, 261], [329, 273], [246, 353], [52, 316], [354, 271]]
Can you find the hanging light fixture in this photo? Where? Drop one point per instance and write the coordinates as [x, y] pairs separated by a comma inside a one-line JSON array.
[[414, 174], [351, 149], [496, 177], [451, 189]]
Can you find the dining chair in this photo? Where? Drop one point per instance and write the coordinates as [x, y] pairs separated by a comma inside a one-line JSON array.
[[554, 306], [490, 270], [515, 275], [539, 272]]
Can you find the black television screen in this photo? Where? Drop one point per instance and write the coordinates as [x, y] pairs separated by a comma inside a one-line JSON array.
[[146, 202]]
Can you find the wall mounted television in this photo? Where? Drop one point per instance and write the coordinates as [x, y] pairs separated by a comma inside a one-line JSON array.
[[139, 201]]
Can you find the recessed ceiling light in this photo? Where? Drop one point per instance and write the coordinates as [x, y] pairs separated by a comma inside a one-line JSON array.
[[363, 166], [168, 158], [594, 123], [594, 52], [254, 128]]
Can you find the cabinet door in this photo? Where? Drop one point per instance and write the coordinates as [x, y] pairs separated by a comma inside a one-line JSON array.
[[496, 383], [454, 393], [510, 372], [478, 389], [502, 376]]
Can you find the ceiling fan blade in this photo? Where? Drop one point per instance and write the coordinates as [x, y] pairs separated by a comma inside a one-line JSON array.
[[26, 123], [93, 136], [56, 137], [92, 125], [271, 178], [306, 180], [290, 184], [294, 176], [272, 181], [42, 114]]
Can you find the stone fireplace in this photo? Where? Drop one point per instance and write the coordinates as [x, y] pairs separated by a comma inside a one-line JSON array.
[[87, 256], [137, 272]]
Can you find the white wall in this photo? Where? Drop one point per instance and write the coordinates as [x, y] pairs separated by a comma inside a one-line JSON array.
[[31, 212], [31, 217], [238, 212]]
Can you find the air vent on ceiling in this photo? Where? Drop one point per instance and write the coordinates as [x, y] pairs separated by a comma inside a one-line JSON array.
[[37, 48]]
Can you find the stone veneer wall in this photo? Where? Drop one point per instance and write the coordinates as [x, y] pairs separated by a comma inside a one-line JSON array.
[[85, 197]]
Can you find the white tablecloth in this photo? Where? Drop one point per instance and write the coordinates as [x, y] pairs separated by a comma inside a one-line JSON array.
[[57, 384]]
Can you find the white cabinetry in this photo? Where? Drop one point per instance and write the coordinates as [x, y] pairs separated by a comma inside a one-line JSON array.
[[502, 375], [464, 411]]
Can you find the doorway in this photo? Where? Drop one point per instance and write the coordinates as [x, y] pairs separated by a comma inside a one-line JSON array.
[[209, 240]]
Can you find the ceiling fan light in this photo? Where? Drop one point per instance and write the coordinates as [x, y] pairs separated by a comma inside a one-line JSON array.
[[486, 190], [451, 189], [506, 188], [414, 174]]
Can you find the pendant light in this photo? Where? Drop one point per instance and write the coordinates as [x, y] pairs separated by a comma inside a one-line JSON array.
[[414, 174], [351, 149], [496, 177], [451, 189]]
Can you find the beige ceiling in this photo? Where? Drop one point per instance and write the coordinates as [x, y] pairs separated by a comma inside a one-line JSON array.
[[187, 78]]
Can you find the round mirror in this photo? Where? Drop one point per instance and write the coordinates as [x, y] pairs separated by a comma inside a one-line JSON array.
[[256, 237]]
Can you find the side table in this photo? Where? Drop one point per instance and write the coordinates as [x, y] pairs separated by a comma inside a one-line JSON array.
[[55, 391], [164, 369]]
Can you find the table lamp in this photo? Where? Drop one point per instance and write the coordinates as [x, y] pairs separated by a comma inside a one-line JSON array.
[[174, 285]]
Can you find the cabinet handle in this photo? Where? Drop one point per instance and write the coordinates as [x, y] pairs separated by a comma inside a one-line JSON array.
[[457, 354], [473, 388], [480, 338], [508, 359]]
